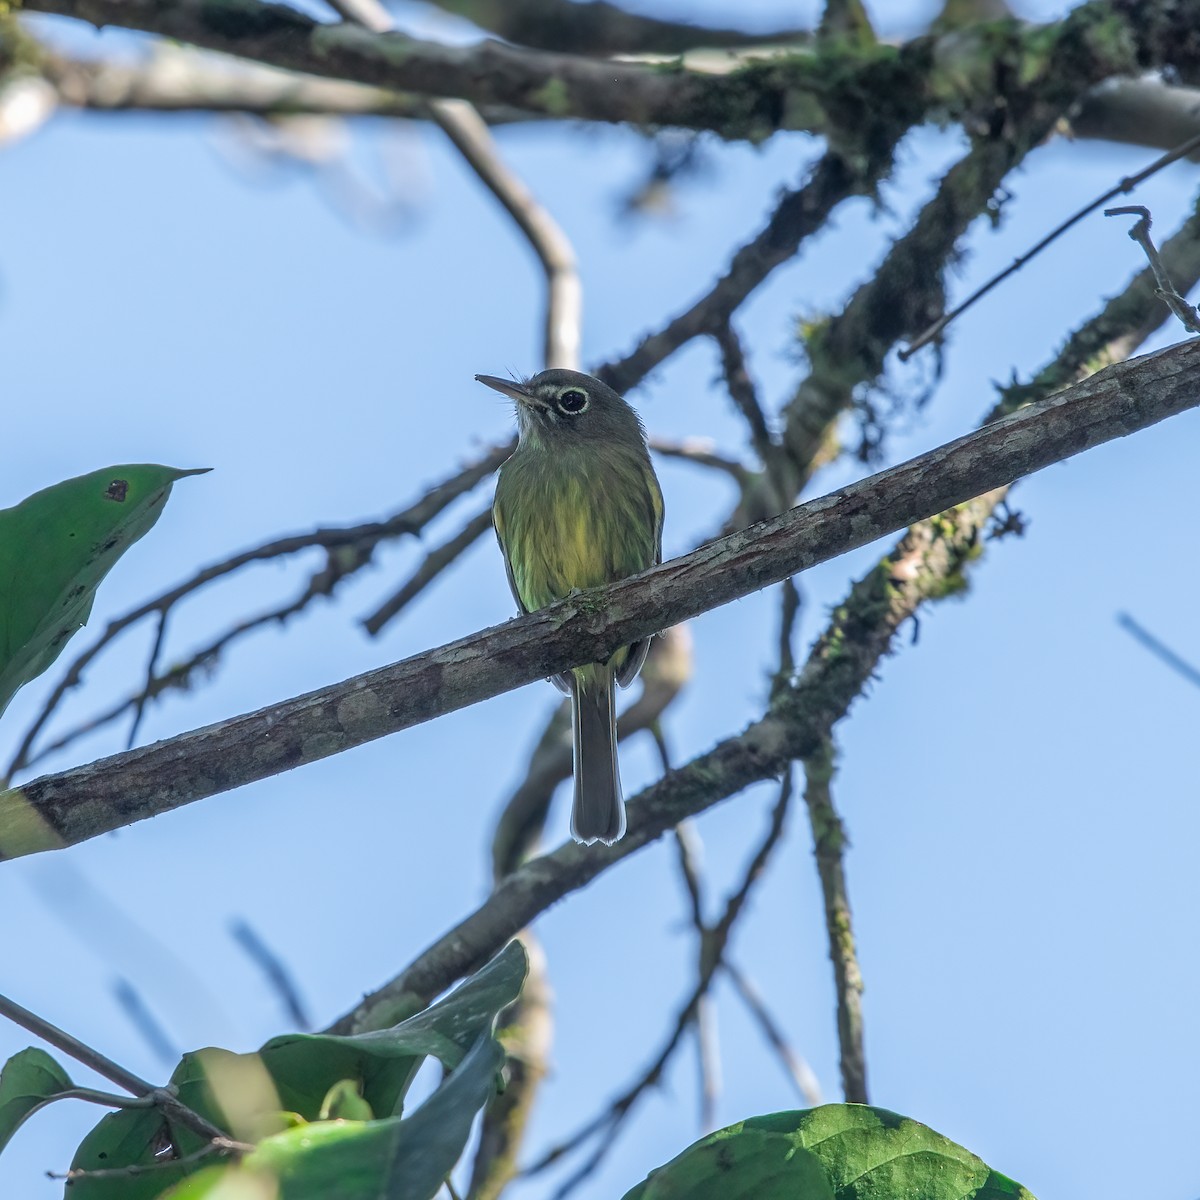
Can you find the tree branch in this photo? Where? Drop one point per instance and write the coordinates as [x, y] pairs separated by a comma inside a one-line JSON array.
[[814, 91], [926, 564], [63, 809], [596, 27], [829, 839]]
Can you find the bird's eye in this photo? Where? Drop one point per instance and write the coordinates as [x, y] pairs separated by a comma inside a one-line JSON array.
[[573, 401]]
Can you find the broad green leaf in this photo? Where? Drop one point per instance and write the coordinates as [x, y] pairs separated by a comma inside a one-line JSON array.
[[835, 1152], [277, 1097], [29, 1080], [56, 547], [130, 1137], [399, 1158], [303, 1067]]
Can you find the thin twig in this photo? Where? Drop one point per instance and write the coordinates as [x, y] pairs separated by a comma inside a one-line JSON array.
[[1125, 186], [798, 1070], [151, 666], [689, 853], [463, 125], [708, 1054], [338, 565], [355, 541], [432, 565], [1140, 233], [218, 1145], [800, 213], [469, 133], [741, 391], [713, 943], [144, 1021], [104, 1099], [1160, 650], [105, 1066], [275, 971], [702, 452]]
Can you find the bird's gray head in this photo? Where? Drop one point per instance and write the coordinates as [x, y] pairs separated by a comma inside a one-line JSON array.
[[559, 407]]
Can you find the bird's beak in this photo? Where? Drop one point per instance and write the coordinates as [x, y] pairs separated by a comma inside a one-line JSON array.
[[508, 387]]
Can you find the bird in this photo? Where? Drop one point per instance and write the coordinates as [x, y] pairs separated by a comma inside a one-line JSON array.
[[577, 506]]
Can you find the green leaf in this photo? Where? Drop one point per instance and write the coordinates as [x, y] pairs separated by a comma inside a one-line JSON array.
[[835, 1152], [256, 1098], [56, 547], [400, 1158], [29, 1080], [131, 1137], [303, 1067]]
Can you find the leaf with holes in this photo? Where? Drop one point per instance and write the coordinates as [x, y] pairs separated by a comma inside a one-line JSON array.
[[399, 1158], [56, 547], [248, 1094]]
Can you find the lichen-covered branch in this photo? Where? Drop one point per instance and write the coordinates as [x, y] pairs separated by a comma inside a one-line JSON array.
[[831, 90], [597, 27], [829, 840], [74, 805]]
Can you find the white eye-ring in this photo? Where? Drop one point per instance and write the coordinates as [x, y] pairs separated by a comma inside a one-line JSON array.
[[572, 402]]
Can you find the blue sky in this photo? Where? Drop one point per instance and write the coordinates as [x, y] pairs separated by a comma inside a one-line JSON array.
[[1020, 787]]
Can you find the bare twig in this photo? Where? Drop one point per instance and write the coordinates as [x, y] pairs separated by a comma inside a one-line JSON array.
[[799, 213], [134, 1005], [689, 852], [151, 666], [339, 563], [1140, 233], [564, 293], [219, 1145], [433, 564], [1124, 187], [275, 971], [800, 1073], [708, 1054], [68, 807], [105, 1066], [714, 941], [1160, 650], [741, 391], [352, 545], [703, 452]]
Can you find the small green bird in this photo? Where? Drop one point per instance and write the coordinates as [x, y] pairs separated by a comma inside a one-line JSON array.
[[578, 505]]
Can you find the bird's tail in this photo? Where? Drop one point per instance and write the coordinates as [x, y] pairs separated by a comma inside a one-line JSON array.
[[599, 811]]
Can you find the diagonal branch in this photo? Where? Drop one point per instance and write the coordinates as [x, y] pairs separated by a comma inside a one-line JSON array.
[[63, 809], [928, 563]]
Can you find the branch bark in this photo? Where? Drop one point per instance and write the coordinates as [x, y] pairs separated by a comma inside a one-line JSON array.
[[819, 91], [69, 807]]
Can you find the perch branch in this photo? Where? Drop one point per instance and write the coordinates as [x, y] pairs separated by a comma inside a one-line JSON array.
[[69, 807]]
